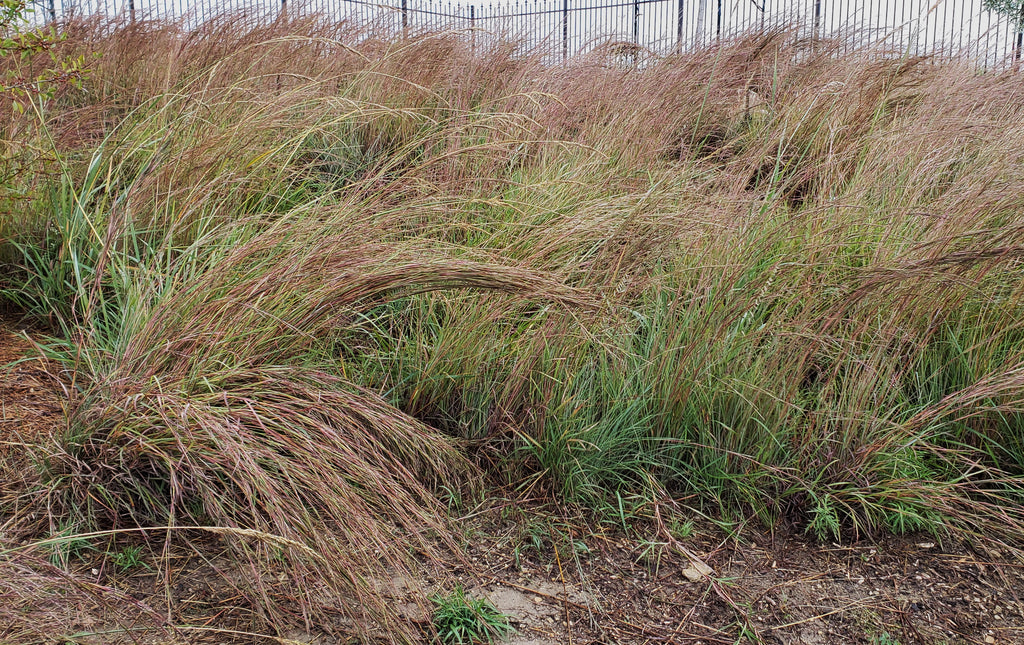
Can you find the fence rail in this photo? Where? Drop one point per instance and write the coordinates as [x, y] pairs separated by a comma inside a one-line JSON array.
[[561, 28]]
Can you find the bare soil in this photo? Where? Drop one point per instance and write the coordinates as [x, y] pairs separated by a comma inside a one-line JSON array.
[[563, 579], [785, 589], [30, 406]]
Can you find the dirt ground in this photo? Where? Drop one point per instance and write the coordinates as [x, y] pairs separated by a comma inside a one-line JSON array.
[[782, 590], [560, 579], [30, 406]]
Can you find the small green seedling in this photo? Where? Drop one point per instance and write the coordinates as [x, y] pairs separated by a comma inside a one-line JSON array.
[[460, 620], [66, 546], [680, 530], [885, 639], [128, 558]]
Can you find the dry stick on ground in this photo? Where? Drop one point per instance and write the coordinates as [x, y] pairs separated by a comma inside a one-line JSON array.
[[565, 589]]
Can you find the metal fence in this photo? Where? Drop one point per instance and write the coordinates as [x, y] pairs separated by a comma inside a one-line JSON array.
[[561, 28]]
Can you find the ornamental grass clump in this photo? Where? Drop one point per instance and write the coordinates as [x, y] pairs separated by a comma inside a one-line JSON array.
[[195, 403], [195, 279], [291, 270]]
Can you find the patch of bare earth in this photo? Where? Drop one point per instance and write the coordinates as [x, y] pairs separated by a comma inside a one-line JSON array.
[[783, 590], [30, 408], [558, 578]]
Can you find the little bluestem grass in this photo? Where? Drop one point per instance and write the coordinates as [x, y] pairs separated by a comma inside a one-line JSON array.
[[291, 275]]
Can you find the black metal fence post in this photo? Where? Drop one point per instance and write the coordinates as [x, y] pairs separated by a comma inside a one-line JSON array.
[[405, 17], [718, 26], [51, 9], [565, 29], [679, 25]]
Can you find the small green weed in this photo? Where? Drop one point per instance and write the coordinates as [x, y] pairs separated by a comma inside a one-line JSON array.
[[66, 546], [459, 619], [680, 530], [128, 558], [651, 552], [532, 537], [451, 496], [885, 639]]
